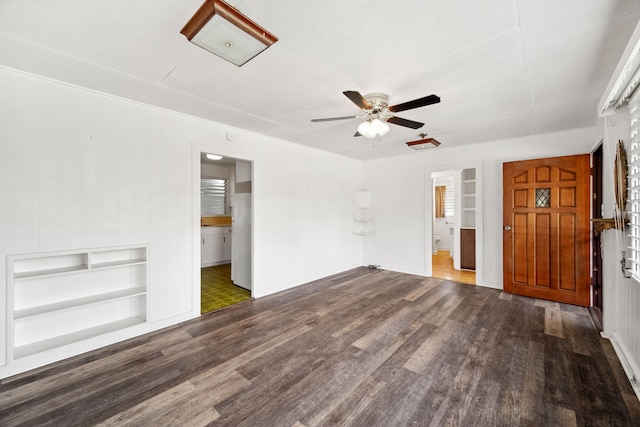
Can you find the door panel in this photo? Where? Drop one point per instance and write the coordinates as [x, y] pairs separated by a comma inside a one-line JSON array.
[[543, 249], [546, 228]]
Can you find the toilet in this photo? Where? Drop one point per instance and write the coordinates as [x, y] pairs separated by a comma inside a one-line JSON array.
[[437, 240]]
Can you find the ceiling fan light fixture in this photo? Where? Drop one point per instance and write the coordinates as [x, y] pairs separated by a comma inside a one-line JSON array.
[[379, 126], [222, 30], [372, 128], [364, 129]]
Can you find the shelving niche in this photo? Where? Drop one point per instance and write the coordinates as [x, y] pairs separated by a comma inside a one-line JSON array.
[[60, 298], [468, 225], [363, 221], [469, 198]]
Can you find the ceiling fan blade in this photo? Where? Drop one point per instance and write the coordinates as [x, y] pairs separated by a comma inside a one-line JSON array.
[[328, 119], [416, 103], [404, 122], [357, 99]]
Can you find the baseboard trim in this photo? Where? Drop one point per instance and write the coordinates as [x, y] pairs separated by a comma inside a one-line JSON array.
[[263, 292], [629, 366], [58, 354]]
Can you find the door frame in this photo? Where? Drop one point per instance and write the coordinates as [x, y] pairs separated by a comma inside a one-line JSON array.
[[217, 148], [429, 214], [597, 160]]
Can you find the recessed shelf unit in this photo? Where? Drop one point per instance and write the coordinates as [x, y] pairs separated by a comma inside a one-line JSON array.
[[363, 221], [469, 198], [60, 298]]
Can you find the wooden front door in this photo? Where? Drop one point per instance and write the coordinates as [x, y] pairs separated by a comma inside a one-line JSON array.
[[546, 228]]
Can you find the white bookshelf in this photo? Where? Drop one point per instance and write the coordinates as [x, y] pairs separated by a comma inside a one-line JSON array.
[[59, 298], [363, 221], [468, 198]]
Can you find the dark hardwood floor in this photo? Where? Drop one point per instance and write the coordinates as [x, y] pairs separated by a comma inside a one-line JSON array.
[[365, 347]]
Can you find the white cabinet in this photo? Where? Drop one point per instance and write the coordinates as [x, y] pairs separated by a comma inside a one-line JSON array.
[[60, 298], [216, 245], [226, 244]]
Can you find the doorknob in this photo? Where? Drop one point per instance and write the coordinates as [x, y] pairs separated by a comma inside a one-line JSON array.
[[507, 227]]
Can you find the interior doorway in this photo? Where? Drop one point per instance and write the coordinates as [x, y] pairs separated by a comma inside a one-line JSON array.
[[454, 206], [596, 243], [225, 231]]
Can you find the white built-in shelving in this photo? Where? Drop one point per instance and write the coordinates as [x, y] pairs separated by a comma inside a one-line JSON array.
[[468, 198], [60, 298], [363, 222]]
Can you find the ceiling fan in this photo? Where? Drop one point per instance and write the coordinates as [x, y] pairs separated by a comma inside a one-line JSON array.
[[377, 112]]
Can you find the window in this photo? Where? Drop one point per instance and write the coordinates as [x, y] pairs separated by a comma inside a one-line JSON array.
[[448, 201], [213, 196], [634, 188]]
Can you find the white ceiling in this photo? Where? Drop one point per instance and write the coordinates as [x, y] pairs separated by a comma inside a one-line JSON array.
[[503, 68]]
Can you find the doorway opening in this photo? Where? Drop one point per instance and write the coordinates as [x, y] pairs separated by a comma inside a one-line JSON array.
[[225, 232], [597, 207], [454, 206]]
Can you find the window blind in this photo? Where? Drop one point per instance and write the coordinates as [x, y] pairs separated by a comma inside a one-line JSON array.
[[213, 196], [449, 201], [634, 188]]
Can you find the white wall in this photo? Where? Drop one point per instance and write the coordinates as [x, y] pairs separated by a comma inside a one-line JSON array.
[[80, 169], [621, 296], [399, 185]]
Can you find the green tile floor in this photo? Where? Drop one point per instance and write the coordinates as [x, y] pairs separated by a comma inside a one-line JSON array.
[[217, 289]]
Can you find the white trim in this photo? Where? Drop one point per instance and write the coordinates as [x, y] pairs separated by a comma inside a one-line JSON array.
[[625, 70], [285, 286], [630, 368], [38, 360]]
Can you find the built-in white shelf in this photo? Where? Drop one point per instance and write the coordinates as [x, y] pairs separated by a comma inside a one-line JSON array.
[[115, 264], [59, 298], [363, 221], [468, 198], [70, 338], [49, 272], [72, 303]]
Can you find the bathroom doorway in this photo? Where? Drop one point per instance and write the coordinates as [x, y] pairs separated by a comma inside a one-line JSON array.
[[453, 211]]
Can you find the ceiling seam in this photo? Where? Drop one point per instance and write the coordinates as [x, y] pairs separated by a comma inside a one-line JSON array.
[[526, 71]]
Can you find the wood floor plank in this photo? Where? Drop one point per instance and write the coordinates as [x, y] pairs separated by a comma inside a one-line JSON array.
[[349, 409], [552, 318], [578, 342], [458, 399], [425, 286], [149, 408], [387, 330], [364, 348], [435, 346], [75, 375]]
